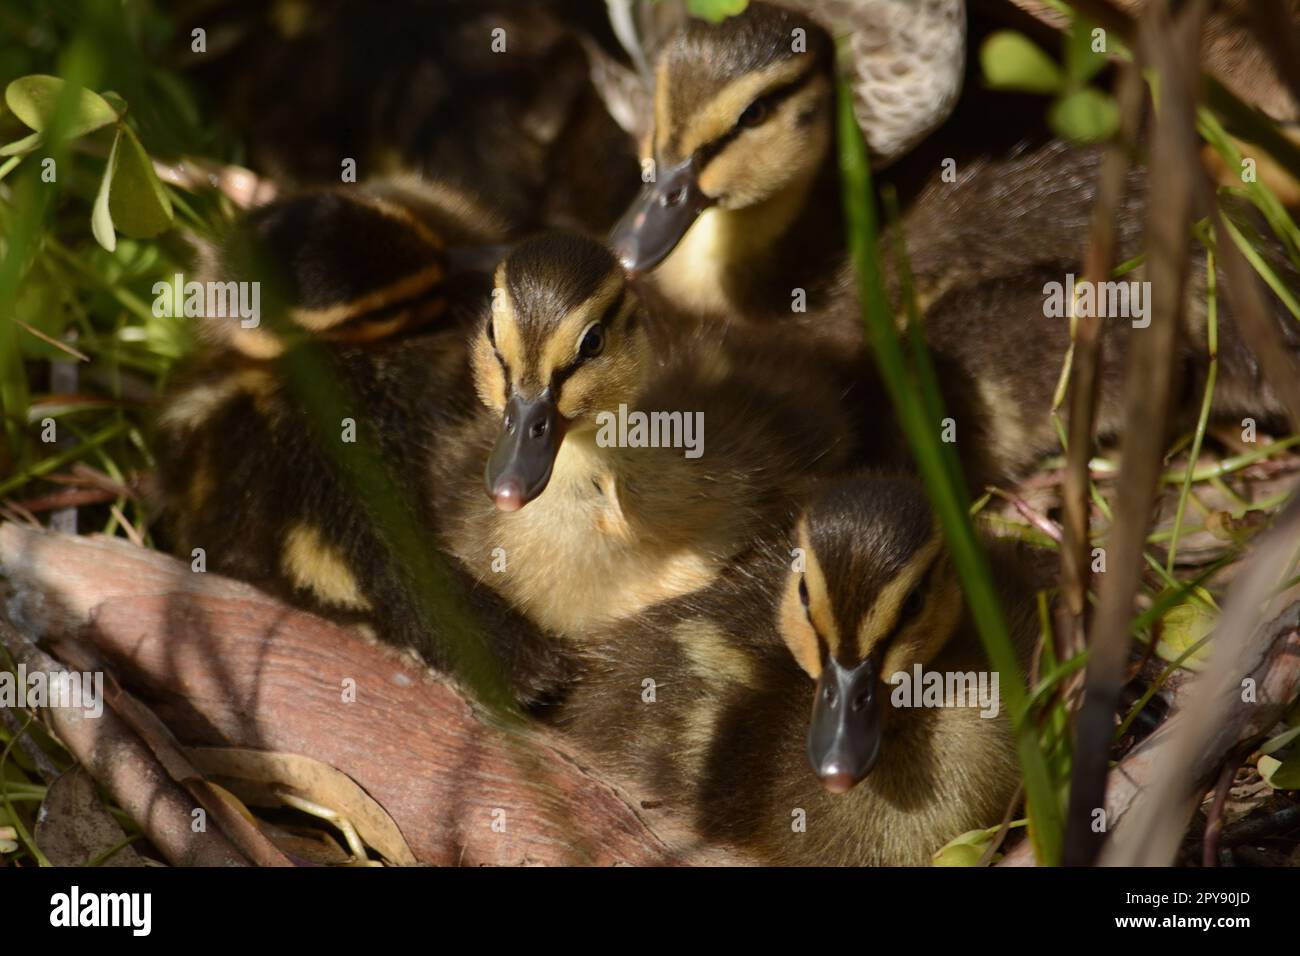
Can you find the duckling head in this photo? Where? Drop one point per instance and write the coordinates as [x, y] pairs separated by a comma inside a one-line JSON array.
[[563, 341], [876, 595], [743, 119]]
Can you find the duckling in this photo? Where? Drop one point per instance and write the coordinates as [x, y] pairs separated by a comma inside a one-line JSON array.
[[745, 214], [588, 515], [349, 265], [257, 476], [745, 197], [703, 702]]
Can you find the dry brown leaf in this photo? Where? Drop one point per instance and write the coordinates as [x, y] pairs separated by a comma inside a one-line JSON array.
[[253, 776], [74, 827]]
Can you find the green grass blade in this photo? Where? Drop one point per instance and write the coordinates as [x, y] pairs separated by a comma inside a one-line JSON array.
[[949, 498]]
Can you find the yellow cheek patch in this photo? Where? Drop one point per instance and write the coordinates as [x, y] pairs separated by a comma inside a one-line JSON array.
[[801, 636], [883, 616], [719, 115], [581, 391], [772, 155], [819, 595], [925, 637], [314, 566], [505, 325], [489, 378], [797, 633]]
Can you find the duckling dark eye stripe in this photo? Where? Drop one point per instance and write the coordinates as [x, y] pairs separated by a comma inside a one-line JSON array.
[[772, 99], [561, 375], [505, 369]]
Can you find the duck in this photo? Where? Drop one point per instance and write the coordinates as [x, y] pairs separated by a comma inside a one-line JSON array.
[[744, 204], [482, 396], [744, 217], [767, 712], [291, 476], [616, 462]]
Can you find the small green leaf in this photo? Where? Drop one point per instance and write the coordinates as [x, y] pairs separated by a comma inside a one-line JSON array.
[[715, 11], [101, 218], [140, 205], [1182, 626], [35, 99], [965, 850], [38, 305], [1281, 774], [21, 146], [114, 99], [1012, 61], [1085, 116], [1280, 741]]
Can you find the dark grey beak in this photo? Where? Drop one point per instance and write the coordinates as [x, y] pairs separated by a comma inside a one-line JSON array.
[[658, 218], [844, 739], [520, 464]]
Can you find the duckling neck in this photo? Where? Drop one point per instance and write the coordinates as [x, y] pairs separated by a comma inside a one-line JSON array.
[[714, 267], [715, 264]]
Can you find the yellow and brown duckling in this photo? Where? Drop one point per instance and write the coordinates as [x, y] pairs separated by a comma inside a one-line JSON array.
[[703, 702], [745, 214], [619, 471], [347, 266], [744, 207], [270, 445]]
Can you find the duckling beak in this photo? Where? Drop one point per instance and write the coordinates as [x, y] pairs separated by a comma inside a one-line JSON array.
[[520, 464], [658, 218], [844, 739]]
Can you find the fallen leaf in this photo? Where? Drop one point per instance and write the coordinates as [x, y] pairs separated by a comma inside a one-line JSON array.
[[74, 827], [253, 775]]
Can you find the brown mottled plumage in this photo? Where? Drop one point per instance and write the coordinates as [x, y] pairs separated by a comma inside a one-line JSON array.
[[703, 703]]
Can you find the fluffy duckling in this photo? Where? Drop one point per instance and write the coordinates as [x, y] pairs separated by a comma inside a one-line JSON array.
[[743, 124], [745, 213], [267, 466], [589, 515], [703, 702], [348, 266]]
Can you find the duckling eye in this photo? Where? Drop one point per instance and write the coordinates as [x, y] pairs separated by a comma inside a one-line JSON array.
[[593, 341], [913, 605], [803, 592], [754, 114], [491, 334]]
